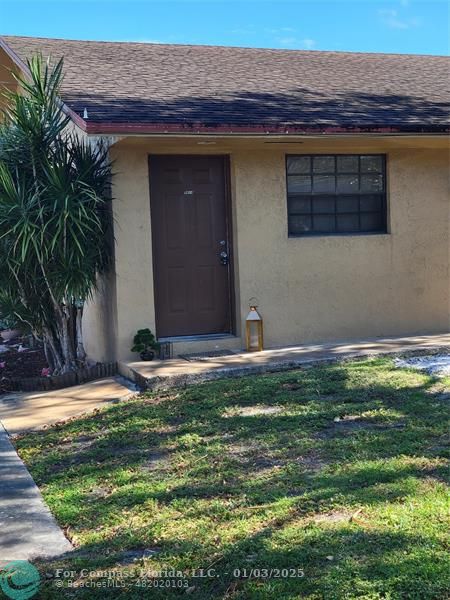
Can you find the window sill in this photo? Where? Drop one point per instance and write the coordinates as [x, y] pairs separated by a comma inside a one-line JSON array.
[[337, 235]]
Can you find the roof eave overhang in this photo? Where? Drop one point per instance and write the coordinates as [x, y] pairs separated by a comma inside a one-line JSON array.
[[20, 64], [99, 128]]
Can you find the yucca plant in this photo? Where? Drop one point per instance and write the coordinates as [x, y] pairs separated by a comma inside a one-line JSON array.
[[54, 215]]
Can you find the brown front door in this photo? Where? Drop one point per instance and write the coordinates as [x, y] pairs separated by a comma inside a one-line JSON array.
[[191, 245]]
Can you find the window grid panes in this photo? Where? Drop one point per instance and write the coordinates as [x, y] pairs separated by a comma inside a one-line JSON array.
[[336, 194]]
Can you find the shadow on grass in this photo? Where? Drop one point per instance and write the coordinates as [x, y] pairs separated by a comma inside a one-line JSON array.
[[306, 460], [302, 562]]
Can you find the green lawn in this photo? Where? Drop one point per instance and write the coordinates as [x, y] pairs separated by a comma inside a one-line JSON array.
[[337, 471]]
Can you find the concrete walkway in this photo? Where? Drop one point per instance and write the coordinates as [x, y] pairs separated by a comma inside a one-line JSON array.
[[179, 372], [31, 411], [27, 528]]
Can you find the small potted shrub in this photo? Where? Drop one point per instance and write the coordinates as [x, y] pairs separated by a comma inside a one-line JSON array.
[[145, 343]]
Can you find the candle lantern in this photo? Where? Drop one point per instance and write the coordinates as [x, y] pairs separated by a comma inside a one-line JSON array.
[[254, 329]]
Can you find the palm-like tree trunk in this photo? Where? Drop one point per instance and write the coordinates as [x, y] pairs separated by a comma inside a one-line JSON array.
[[80, 351]]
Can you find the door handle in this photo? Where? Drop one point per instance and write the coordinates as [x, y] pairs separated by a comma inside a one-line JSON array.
[[224, 258]]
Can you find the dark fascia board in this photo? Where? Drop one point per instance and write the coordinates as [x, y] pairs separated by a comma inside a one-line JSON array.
[[95, 127]]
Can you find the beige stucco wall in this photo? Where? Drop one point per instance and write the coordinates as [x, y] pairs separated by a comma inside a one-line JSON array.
[[134, 271], [345, 287], [100, 312], [309, 289], [100, 321]]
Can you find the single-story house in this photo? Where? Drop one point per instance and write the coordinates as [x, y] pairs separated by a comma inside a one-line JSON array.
[[315, 182]]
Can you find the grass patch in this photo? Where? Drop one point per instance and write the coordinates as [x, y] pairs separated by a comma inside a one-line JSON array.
[[338, 471]]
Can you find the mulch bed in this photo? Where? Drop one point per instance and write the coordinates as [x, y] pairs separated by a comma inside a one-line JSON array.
[[20, 364], [23, 370]]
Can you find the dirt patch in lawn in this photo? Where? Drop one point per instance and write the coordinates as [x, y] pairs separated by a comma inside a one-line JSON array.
[[241, 450], [130, 557], [348, 424], [98, 493], [335, 516], [291, 386], [256, 410], [156, 460], [311, 462], [253, 456], [257, 458]]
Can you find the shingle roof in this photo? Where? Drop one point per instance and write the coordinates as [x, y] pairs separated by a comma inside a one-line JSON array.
[[171, 86]]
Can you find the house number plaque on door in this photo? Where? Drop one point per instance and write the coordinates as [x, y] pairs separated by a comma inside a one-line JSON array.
[[188, 192]]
